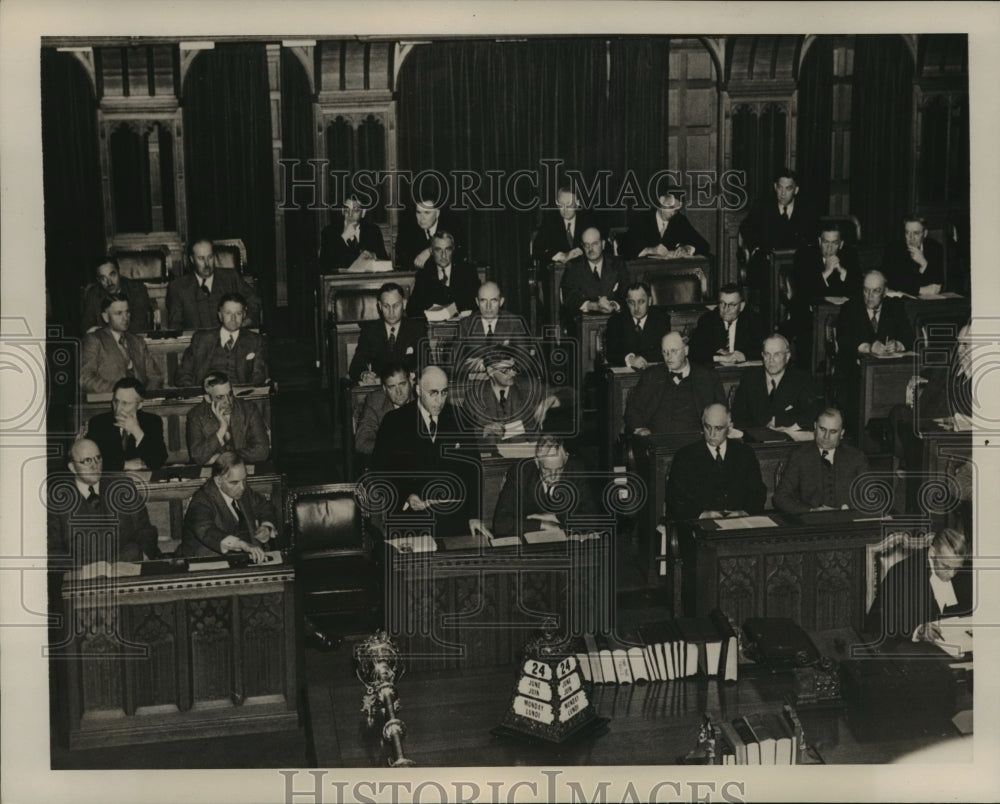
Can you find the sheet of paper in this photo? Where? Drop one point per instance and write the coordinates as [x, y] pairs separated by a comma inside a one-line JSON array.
[[207, 566], [740, 522], [513, 429]]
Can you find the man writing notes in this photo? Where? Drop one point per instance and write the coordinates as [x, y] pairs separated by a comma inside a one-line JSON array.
[[560, 235], [222, 423], [914, 264], [393, 338], [128, 437], [240, 353], [113, 352], [775, 395], [714, 476], [634, 335], [506, 403], [819, 476], [665, 233], [727, 334], [193, 299], [670, 398]]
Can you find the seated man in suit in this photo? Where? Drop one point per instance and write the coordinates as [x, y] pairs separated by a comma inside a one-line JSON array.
[[596, 282], [193, 299], [413, 452], [714, 476], [414, 247], [665, 233], [775, 395], [492, 320], [350, 241], [727, 334], [109, 284], [559, 236], [533, 490], [89, 492], [397, 390], [222, 423], [923, 587], [443, 280], [225, 515], [914, 264], [819, 475], [240, 353], [113, 352], [825, 269], [670, 398], [391, 339], [507, 402], [128, 437], [634, 337]]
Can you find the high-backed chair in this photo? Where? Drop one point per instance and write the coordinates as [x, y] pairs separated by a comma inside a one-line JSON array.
[[147, 264], [230, 253], [881, 557]]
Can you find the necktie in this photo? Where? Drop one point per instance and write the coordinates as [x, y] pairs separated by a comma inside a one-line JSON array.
[[444, 277], [676, 376], [569, 234], [392, 339], [489, 330], [826, 458], [352, 241], [237, 511], [597, 274], [125, 441], [205, 289], [718, 456], [433, 428], [427, 234], [230, 343], [123, 344], [770, 394], [503, 399], [875, 321], [93, 498], [784, 212], [638, 325], [729, 335]]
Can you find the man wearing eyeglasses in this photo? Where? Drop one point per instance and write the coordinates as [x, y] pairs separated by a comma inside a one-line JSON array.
[[509, 402], [85, 493], [726, 335], [715, 476]]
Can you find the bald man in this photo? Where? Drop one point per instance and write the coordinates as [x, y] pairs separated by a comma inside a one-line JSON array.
[[669, 398], [491, 320], [714, 476], [776, 394], [597, 281]]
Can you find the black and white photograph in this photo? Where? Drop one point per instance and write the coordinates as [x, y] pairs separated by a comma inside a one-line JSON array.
[[526, 401]]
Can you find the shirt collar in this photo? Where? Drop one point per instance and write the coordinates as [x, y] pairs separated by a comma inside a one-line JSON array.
[[224, 335], [206, 282], [486, 324], [944, 592], [722, 449], [829, 453], [684, 372], [790, 206], [389, 326], [598, 265], [776, 377], [84, 488], [425, 414]]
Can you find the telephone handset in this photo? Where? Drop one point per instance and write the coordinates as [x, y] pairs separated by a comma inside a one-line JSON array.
[[779, 643]]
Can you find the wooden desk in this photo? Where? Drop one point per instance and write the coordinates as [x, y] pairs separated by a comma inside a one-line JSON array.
[[178, 656], [882, 385], [589, 330], [174, 413], [814, 574]]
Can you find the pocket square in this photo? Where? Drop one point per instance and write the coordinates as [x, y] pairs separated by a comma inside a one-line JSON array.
[[409, 350], [788, 408], [251, 356]]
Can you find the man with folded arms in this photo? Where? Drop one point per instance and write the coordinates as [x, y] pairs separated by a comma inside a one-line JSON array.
[[193, 299], [595, 282], [239, 353], [129, 438], [350, 240], [775, 395]]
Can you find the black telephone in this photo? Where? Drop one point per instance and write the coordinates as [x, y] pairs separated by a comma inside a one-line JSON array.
[[779, 643]]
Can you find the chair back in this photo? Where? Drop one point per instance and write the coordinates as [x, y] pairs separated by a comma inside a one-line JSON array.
[[145, 264], [881, 557], [326, 521], [230, 253], [670, 289]]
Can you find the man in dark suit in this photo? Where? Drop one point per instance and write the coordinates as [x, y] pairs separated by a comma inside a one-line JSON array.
[[414, 246], [225, 515], [533, 491], [560, 234], [393, 338], [397, 390], [113, 352], [670, 398], [819, 476], [240, 353], [443, 280], [222, 423], [492, 320], [665, 233], [914, 265], [128, 437], [350, 240], [714, 476], [921, 588], [727, 334], [412, 452], [775, 395], [88, 492], [193, 299], [596, 282], [825, 269], [779, 220], [634, 337], [110, 283]]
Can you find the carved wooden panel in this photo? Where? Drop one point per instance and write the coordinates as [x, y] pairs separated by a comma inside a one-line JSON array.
[[783, 586], [261, 620], [154, 680], [836, 579], [738, 593], [210, 623]]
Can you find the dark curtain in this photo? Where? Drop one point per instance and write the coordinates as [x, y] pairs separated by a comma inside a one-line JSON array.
[[481, 106], [229, 175], [71, 182], [881, 146], [129, 157], [301, 245], [815, 109]]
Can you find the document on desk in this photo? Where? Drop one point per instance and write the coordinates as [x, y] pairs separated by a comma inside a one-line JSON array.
[[956, 635], [423, 543], [513, 429], [741, 522]]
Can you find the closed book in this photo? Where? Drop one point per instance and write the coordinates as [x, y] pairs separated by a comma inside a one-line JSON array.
[[766, 739], [654, 635], [791, 717], [582, 659], [606, 659], [675, 646], [637, 664], [733, 738], [594, 657], [729, 654], [693, 645], [783, 738], [619, 656], [750, 740], [710, 648]]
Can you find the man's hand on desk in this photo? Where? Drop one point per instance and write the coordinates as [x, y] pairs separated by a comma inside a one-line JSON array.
[[547, 521], [234, 543], [729, 358], [928, 632], [368, 377], [493, 430], [929, 290], [710, 515], [642, 431], [135, 465], [637, 362], [605, 305], [416, 504]]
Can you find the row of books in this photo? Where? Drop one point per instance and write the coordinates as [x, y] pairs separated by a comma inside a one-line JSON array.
[[678, 648], [770, 738]]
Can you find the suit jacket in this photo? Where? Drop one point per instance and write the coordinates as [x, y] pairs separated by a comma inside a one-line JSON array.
[[766, 229], [659, 404], [905, 600], [377, 404], [481, 406], [507, 325], [807, 483], [411, 239], [373, 346], [794, 400], [644, 232], [245, 365], [551, 236], [807, 277], [136, 536], [523, 494], [410, 460], [189, 308], [710, 335], [102, 362], [336, 255], [903, 273], [622, 339], [152, 449], [209, 519], [696, 483], [138, 304], [854, 328], [580, 285], [247, 430], [428, 289]]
